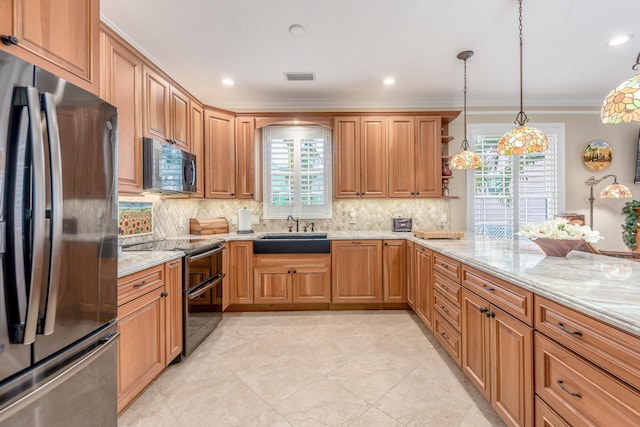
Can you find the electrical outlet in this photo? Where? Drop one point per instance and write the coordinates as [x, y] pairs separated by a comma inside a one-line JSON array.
[[444, 218], [353, 218]]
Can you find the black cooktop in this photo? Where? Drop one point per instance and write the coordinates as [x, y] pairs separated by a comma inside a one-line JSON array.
[[187, 246]]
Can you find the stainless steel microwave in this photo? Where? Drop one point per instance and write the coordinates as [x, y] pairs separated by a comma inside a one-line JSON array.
[[166, 168]]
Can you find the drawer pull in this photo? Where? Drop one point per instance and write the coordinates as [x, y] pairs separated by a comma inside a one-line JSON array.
[[137, 285], [561, 326], [566, 390], [444, 309], [444, 287], [445, 266], [445, 336], [488, 288]]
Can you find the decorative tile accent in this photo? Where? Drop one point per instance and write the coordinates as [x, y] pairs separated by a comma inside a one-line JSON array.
[[135, 218]]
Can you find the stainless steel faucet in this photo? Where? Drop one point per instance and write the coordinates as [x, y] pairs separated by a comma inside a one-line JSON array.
[[297, 221]]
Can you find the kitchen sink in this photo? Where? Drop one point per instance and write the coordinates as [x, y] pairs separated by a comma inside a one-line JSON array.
[[292, 243]]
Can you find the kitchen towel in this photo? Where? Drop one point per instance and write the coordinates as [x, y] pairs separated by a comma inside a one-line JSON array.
[[244, 221]]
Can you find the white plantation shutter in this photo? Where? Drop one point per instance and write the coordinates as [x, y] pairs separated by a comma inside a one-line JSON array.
[[298, 181], [508, 191]]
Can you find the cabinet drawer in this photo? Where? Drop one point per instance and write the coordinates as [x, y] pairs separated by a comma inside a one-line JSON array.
[[447, 310], [137, 284], [514, 300], [615, 351], [579, 392], [450, 339], [545, 417], [449, 289], [446, 266]]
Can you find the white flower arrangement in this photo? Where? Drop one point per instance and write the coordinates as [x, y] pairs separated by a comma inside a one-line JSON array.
[[559, 229]]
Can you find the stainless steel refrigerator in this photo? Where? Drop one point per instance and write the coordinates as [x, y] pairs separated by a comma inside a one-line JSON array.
[[58, 251]]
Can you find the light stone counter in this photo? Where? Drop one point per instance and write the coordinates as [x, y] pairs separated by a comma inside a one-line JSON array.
[[132, 262]]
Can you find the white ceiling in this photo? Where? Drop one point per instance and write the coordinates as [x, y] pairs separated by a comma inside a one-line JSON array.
[[351, 45]]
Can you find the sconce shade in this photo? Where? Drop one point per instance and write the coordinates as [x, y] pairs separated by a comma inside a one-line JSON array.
[[465, 159], [615, 191], [522, 140], [623, 103]]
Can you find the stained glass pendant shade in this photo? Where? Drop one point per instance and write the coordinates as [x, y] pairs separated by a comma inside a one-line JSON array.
[[623, 103], [522, 139], [465, 159]]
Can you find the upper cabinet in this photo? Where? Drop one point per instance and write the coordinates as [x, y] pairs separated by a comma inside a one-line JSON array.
[[61, 37], [414, 160], [219, 154], [360, 148], [121, 85], [196, 130], [246, 166], [165, 109]]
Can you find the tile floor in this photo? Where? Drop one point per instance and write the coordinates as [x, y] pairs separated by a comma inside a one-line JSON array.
[[329, 368]]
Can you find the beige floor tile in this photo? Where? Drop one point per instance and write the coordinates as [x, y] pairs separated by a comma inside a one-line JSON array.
[[375, 418], [148, 410]]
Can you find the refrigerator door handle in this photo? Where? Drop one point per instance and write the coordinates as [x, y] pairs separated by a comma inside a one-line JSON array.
[[31, 397], [55, 161], [35, 214]]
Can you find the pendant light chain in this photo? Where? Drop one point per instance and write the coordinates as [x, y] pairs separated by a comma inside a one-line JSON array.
[[465, 143], [521, 118]]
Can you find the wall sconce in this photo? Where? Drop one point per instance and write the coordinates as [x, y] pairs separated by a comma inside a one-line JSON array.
[[612, 191]]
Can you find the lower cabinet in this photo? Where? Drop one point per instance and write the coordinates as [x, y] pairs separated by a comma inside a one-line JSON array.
[[283, 279], [411, 283], [241, 272], [356, 271], [497, 356], [150, 326], [394, 271]]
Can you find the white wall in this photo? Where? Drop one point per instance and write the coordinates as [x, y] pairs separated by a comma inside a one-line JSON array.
[[581, 127]]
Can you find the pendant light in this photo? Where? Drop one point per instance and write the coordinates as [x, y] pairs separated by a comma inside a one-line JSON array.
[[465, 159], [623, 103], [522, 139]]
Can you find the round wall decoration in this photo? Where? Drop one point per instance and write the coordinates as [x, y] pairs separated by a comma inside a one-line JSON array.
[[597, 155]]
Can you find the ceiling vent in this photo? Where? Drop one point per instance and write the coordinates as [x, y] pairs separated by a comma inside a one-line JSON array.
[[300, 77]]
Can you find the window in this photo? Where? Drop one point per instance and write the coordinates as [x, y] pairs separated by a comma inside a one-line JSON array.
[[508, 191], [297, 172]]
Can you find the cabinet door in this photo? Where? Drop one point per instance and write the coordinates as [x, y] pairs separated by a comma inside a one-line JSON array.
[[272, 285], [155, 105], [401, 157], [312, 284], [475, 342], [226, 288], [241, 272], [220, 158], [428, 171], [64, 39], [356, 271], [141, 350], [122, 86], [173, 306], [246, 158], [394, 270], [197, 145], [179, 118], [424, 286], [373, 157], [346, 163], [511, 368], [411, 284]]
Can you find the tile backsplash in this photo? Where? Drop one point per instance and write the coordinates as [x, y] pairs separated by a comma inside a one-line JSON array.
[[171, 216]]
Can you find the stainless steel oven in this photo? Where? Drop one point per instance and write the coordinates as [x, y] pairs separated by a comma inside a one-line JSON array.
[[202, 308]]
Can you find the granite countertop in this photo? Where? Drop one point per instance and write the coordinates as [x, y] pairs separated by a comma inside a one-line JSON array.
[[603, 287]]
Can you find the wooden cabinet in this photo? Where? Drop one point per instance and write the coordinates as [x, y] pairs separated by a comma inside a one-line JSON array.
[[497, 356], [356, 271], [424, 286], [165, 109], [121, 85], [63, 39], [226, 280], [284, 279], [241, 272], [411, 282], [245, 158], [196, 130], [173, 313], [220, 156], [394, 271], [447, 299], [360, 165], [546, 417], [414, 159]]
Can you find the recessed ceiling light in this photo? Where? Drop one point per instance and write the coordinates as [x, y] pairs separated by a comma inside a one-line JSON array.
[[228, 82], [620, 39], [389, 81], [297, 30]]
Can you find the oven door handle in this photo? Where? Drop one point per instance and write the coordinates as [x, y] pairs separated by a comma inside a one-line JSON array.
[[196, 292], [206, 254]]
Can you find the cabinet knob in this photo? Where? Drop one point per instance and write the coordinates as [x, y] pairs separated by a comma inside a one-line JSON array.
[[288, 271], [413, 193], [164, 294], [483, 310], [252, 195], [417, 193], [233, 194], [9, 40], [295, 271]]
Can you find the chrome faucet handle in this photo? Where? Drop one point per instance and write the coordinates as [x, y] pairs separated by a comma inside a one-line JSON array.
[[304, 227]]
